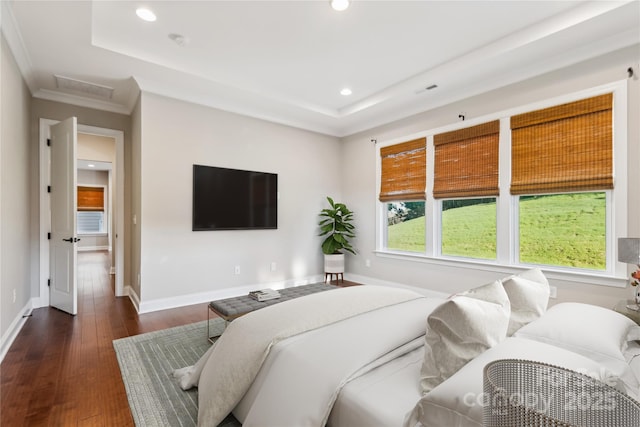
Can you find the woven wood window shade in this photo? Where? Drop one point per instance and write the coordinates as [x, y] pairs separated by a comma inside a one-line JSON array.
[[404, 171], [466, 162], [90, 199], [564, 148]]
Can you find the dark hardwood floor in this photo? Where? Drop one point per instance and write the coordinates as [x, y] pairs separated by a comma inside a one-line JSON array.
[[62, 370]]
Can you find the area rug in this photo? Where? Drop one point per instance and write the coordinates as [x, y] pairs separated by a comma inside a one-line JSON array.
[[146, 362]]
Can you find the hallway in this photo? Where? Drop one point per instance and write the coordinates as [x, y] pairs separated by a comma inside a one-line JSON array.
[[62, 370]]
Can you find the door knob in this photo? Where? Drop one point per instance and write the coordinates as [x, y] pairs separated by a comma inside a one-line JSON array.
[[70, 239]]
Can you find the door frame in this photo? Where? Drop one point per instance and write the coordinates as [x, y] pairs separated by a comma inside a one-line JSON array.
[[45, 207]]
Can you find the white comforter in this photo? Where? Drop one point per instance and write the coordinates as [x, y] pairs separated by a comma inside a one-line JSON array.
[[301, 379], [225, 373]]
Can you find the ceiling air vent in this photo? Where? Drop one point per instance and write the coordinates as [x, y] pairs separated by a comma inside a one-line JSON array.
[[424, 89], [86, 88]]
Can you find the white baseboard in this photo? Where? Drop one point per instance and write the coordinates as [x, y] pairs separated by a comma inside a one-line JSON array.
[[366, 280], [38, 302], [202, 297], [14, 329], [92, 248], [133, 296], [190, 299]]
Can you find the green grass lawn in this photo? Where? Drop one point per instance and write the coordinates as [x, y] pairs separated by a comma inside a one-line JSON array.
[[564, 229], [470, 231]]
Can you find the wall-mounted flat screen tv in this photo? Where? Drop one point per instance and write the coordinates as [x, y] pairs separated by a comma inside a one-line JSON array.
[[232, 199]]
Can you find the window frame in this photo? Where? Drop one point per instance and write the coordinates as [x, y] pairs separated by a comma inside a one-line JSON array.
[[105, 211], [507, 215]]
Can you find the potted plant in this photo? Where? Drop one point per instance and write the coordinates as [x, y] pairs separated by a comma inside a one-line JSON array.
[[336, 225]]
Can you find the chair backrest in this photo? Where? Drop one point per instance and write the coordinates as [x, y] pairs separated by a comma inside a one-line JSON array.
[[528, 393]]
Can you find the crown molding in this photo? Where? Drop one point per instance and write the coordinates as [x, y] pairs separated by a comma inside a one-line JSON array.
[[16, 44], [80, 101]]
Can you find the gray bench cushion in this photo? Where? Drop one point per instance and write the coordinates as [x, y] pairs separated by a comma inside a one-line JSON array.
[[237, 306]]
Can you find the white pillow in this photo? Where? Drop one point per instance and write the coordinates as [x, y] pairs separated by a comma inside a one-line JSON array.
[[460, 329], [529, 296], [459, 400], [594, 332]]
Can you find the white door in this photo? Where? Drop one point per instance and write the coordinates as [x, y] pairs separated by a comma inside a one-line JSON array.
[[63, 251]]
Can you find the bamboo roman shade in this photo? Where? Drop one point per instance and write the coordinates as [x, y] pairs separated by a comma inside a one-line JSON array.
[[466, 162], [90, 198], [563, 148], [404, 171]]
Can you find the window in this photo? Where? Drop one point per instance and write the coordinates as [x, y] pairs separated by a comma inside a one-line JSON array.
[[466, 165], [406, 226], [469, 228], [532, 188], [402, 189], [91, 213], [567, 150], [90, 222], [566, 230]]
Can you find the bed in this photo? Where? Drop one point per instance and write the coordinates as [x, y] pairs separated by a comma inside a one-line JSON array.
[[379, 356]]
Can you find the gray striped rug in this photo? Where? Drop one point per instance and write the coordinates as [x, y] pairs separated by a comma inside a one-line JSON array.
[[146, 362]]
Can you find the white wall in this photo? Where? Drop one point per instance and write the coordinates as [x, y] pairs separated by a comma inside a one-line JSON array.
[[15, 176], [93, 177], [179, 262], [132, 227], [97, 147], [359, 176]]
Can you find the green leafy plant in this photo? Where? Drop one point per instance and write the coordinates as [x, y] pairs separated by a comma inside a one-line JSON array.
[[335, 223]]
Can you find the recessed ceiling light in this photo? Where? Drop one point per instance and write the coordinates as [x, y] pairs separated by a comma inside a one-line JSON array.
[[339, 5], [345, 92], [146, 14], [91, 165]]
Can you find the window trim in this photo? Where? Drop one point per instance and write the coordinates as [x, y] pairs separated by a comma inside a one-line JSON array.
[[105, 210], [615, 273]]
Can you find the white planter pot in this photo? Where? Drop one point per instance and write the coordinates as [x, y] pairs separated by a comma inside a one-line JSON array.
[[334, 263]]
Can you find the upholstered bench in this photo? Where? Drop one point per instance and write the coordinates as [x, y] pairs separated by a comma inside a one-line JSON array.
[[232, 308]]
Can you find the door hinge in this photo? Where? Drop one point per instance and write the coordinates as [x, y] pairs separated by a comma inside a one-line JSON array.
[[49, 282], [48, 189], [48, 236], [48, 142]]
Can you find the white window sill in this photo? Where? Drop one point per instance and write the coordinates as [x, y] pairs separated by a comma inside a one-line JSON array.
[[93, 234], [578, 276]]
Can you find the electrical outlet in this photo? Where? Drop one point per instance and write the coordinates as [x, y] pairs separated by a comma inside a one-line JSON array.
[[553, 292], [273, 266], [237, 269], [14, 296], [367, 263]]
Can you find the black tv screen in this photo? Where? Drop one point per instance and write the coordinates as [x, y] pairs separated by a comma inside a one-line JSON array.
[[232, 199]]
